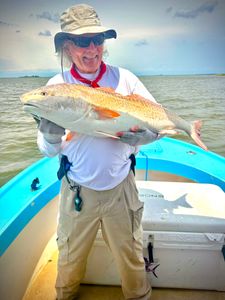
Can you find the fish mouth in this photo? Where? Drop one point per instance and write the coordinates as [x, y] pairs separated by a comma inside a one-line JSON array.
[[29, 106], [35, 110]]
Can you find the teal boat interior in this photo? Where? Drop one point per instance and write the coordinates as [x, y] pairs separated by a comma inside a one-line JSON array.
[[19, 203]]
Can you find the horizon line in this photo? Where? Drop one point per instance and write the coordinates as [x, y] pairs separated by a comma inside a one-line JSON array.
[[139, 75]]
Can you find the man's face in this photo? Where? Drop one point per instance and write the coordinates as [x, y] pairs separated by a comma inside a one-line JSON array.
[[87, 59]]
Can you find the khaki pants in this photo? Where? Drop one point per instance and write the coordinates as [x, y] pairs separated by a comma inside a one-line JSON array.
[[119, 213]]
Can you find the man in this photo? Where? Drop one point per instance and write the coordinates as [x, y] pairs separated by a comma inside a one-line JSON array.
[[99, 187]]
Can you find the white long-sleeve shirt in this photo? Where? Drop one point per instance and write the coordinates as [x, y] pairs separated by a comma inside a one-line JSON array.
[[97, 163]]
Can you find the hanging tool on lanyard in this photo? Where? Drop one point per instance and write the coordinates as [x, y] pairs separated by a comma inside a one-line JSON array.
[[63, 170]]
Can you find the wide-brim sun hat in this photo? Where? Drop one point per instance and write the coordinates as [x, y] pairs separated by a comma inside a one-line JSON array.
[[77, 20]]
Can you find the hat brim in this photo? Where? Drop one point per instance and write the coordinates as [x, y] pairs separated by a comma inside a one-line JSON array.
[[60, 37]]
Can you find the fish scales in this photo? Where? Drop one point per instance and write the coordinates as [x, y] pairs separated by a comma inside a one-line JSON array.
[[134, 105], [101, 111]]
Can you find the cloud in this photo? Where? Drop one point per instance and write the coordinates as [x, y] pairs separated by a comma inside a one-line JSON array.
[[144, 33], [142, 42], [45, 33], [2, 23], [50, 17], [192, 14], [169, 9]]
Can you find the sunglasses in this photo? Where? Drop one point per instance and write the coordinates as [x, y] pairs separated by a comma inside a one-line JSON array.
[[84, 41]]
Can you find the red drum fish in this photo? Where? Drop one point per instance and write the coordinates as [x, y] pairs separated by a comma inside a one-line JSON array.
[[101, 112]]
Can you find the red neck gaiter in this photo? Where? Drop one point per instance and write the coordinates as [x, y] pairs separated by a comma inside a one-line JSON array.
[[93, 83]]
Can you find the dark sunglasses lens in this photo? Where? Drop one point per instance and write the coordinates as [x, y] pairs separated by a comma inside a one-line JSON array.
[[81, 42], [98, 39], [84, 42]]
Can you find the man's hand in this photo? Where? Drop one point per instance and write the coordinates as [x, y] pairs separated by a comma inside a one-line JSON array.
[[52, 133], [138, 137]]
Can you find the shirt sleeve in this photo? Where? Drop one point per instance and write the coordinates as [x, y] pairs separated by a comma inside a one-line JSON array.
[[141, 90], [55, 79], [131, 84]]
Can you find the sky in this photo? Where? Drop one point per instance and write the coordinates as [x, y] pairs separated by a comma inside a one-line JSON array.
[[155, 37]]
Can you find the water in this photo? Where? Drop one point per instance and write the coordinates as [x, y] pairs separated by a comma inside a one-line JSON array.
[[192, 97]]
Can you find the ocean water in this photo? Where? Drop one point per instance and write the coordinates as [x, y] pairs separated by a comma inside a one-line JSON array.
[[192, 97]]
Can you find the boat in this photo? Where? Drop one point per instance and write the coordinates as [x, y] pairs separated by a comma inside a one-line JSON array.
[[168, 172]]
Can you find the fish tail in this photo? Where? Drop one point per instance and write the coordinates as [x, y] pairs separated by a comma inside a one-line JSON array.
[[195, 134]]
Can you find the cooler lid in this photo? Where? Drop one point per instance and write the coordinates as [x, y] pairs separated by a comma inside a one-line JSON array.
[[182, 207]]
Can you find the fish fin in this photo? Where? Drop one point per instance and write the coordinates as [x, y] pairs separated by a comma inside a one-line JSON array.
[[70, 135], [168, 132], [107, 134], [195, 134], [106, 89], [105, 113]]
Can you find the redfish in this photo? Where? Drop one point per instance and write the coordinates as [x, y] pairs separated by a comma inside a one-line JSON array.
[[101, 112]]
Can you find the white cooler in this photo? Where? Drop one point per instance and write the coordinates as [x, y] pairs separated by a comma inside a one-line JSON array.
[[184, 233]]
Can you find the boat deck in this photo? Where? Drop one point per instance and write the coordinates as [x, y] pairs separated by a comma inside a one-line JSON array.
[[43, 289]]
